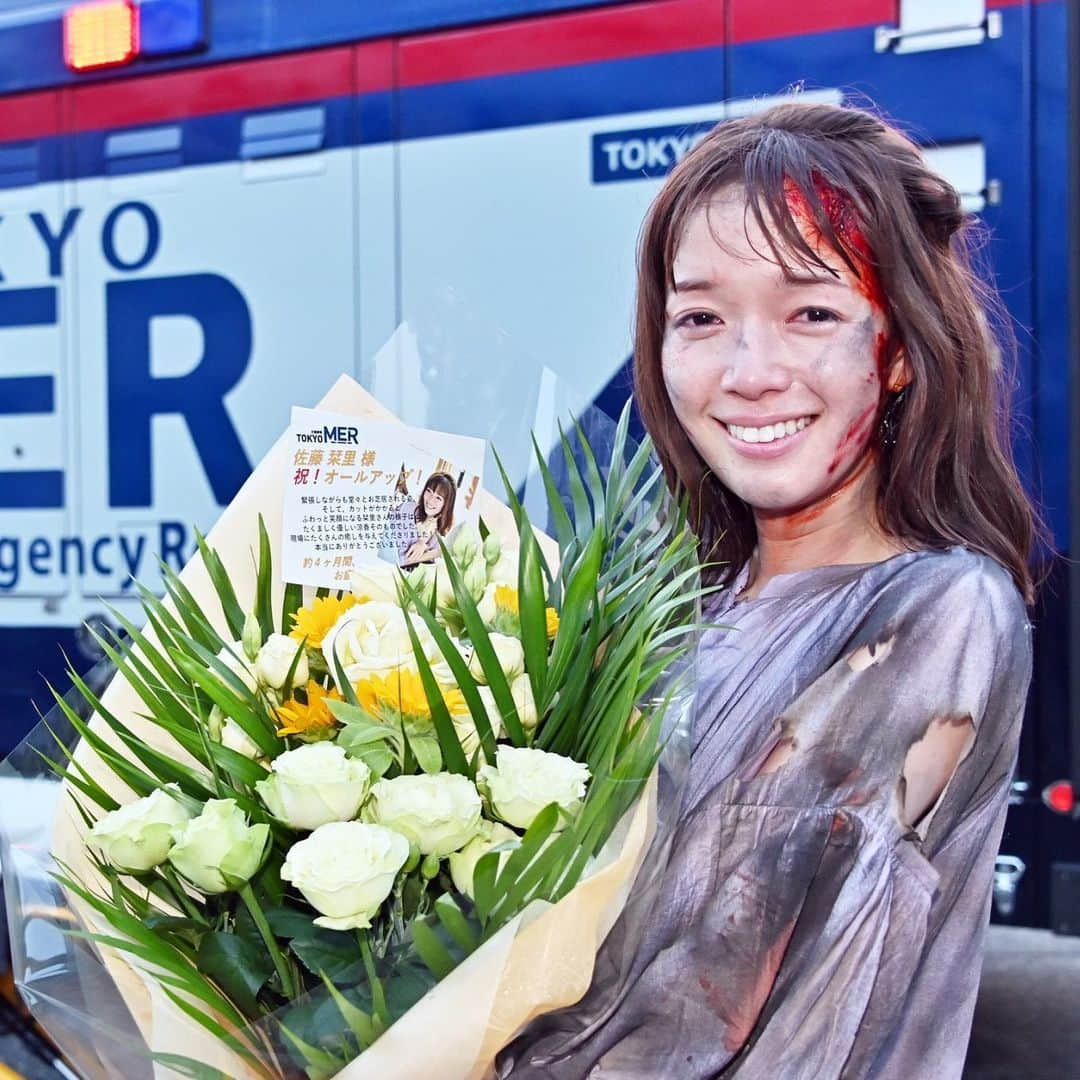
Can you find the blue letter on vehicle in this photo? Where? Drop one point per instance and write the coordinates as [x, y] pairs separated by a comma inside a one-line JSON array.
[[136, 395]]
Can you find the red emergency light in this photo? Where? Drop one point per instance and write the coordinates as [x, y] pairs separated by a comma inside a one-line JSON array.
[[100, 33], [1060, 797]]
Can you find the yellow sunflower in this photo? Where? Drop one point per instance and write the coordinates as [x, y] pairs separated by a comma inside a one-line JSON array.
[[312, 622], [506, 599], [506, 602], [313, 720], [401, 693]]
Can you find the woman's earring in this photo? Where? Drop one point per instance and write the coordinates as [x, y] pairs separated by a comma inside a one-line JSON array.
[[890, 420]]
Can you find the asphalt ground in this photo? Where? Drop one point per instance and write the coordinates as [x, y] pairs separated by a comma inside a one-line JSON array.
[[1027, 1020]]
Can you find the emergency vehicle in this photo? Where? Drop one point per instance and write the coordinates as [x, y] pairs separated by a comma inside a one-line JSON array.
[[210, 210]]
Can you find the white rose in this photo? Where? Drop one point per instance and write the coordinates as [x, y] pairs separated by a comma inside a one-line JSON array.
[[234, 737], [442, 671], [486, 605], [463, 862], [505, 570], [232, 656], [376, 581], [522, 693], [314, 784], [438, 813], [508, 652], [373, 639], [524, 780], [465, 726], [276, 658], [218, 851], [345, 870], [137, 837]]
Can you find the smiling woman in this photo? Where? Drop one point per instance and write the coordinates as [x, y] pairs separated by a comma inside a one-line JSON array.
[[815, 362]]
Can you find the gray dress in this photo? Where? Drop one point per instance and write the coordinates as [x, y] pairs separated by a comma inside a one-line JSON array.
[[800, 930]]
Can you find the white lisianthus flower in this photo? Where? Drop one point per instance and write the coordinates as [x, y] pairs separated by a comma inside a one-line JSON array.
[[138, 836], [474, 578], [509, 653], [233, 737], [505, 570], [524, 780], [486, 604], [492, 549], [218, 851], [315, 784], [345, 870], [438, 813], [465, 544], [373, 639], [465, 726], [422, 579], [377, 581], [522, 693], [463, 862], [232, 656], [444, 589], [274, 660]]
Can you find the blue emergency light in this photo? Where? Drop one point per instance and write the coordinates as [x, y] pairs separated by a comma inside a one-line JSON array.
[[109, 33]]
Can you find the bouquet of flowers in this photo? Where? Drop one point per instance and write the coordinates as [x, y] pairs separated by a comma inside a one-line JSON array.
[[368, 831]]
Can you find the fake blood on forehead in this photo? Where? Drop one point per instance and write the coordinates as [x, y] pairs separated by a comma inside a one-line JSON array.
[[840, 213]]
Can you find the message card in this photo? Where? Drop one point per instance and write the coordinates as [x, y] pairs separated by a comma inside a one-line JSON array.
[[358, 490]]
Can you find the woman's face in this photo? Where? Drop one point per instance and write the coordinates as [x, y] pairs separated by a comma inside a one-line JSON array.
[[776, 380], [433, 503]]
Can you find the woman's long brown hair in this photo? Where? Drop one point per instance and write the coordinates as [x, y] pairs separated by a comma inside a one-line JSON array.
[[949, 478]]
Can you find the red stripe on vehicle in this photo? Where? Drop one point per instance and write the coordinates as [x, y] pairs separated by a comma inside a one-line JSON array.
[[29, 116], [277, 80], [581, 37]]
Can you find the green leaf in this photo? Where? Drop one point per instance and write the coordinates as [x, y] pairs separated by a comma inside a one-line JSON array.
[[532, 611], [186, 1066], [329, 952], [237, 966], [215, 569], [485, 653], [264, 583], [427, 753], [217, 682], [457, 924], [288, 922], [431, 949], [321, 1064], [564, 528], [189, 611], [462, 676], [357, 1021], [484, 873], [291, 603], [446, 733]]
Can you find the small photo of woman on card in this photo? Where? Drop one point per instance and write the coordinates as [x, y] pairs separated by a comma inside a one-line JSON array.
[[414, 524]]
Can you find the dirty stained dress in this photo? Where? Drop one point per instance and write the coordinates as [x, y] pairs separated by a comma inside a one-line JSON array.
[[799, 929]]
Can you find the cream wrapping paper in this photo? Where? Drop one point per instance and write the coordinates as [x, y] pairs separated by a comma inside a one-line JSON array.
[[542, 960]]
